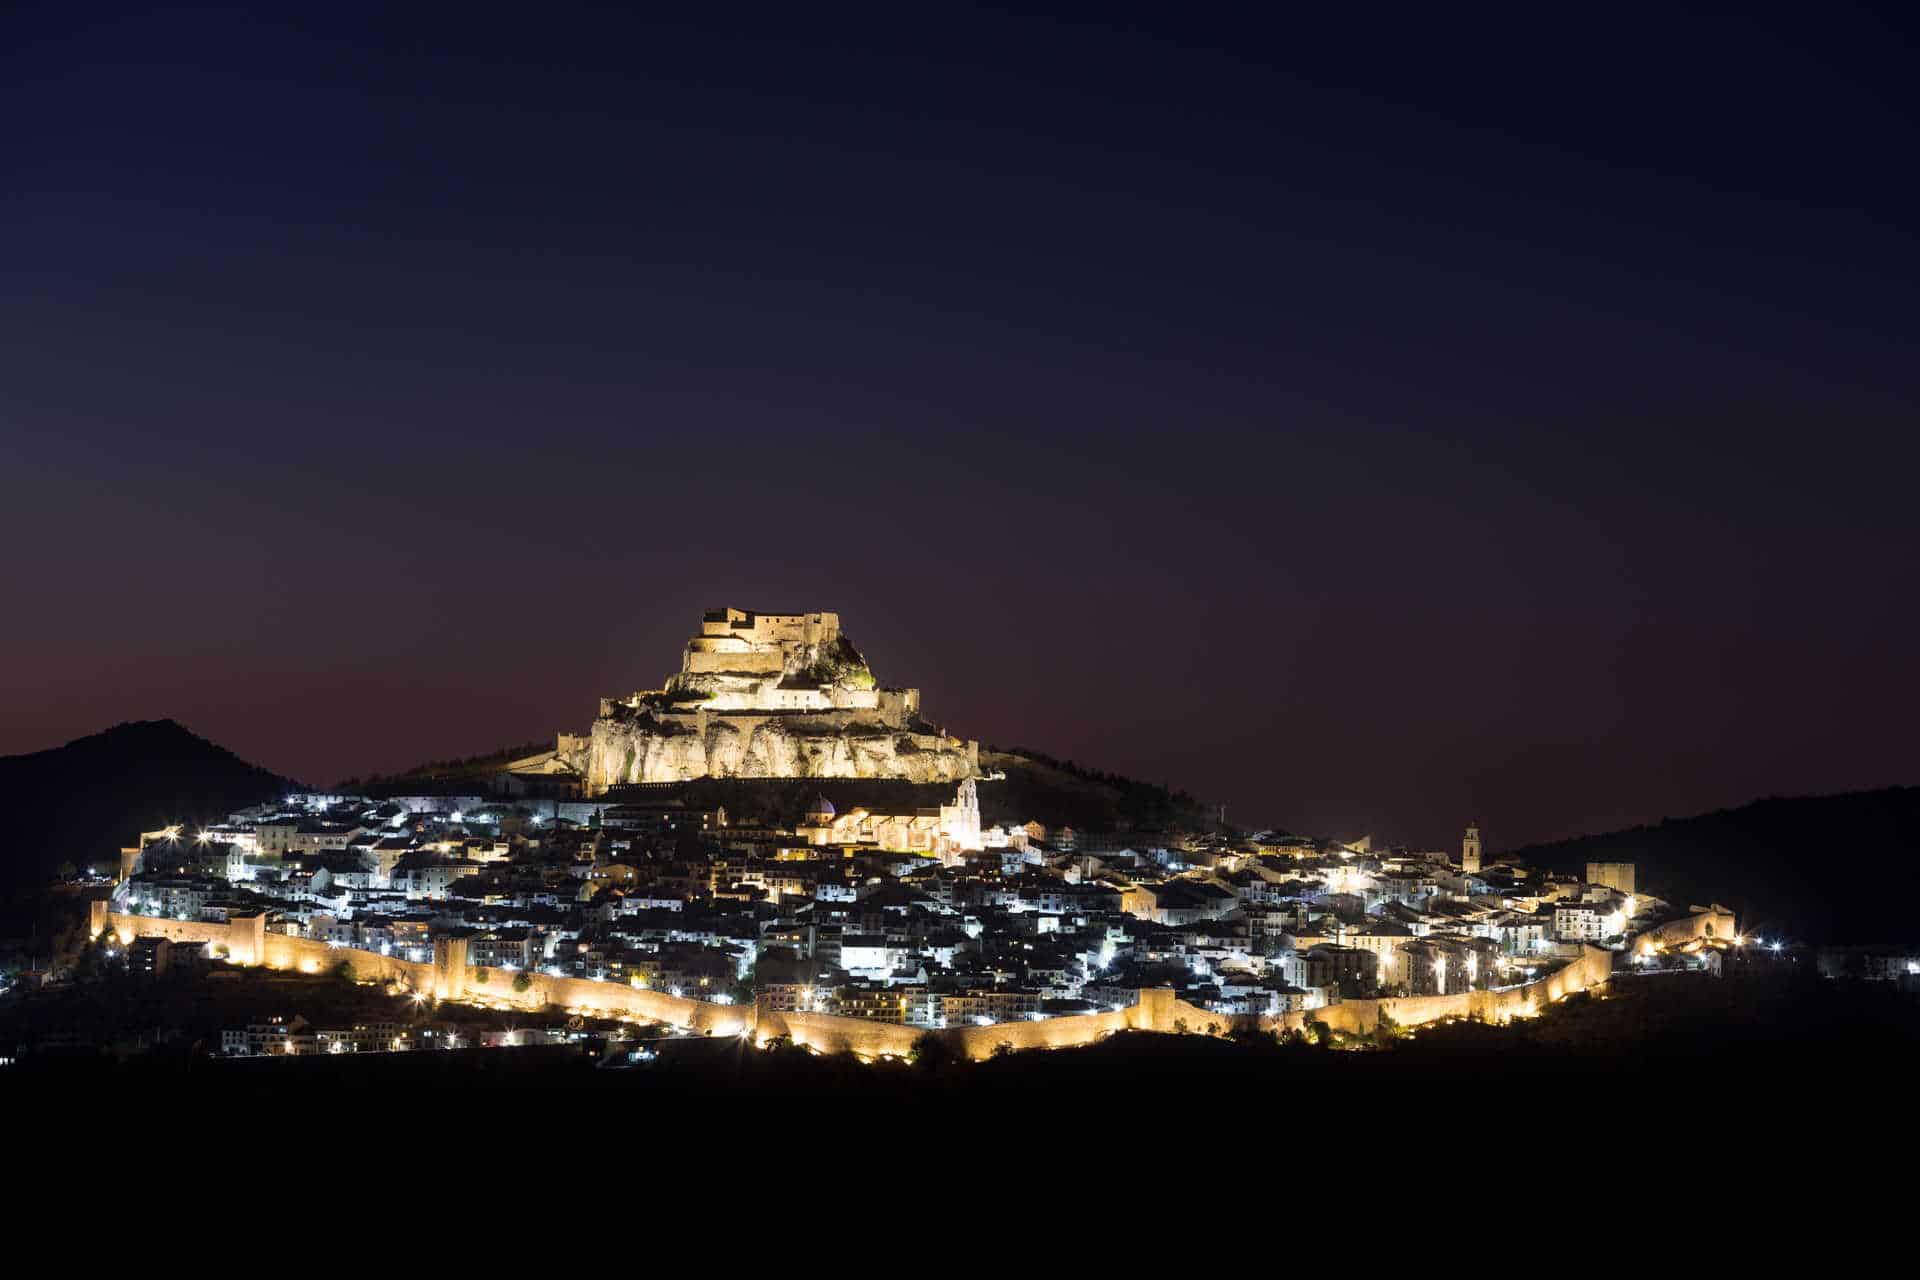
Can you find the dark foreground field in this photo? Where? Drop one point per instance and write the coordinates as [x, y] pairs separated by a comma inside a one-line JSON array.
[[1679, 1107], [1757, 1055]]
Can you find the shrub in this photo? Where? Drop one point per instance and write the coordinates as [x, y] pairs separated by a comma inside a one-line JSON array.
[[1255, 1037], [930, 1051]]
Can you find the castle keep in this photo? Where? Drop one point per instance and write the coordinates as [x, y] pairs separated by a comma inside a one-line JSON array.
[[766, 695]]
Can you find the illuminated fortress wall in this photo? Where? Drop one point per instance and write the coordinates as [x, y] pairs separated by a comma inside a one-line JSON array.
[[824, 1033], [1592, 968], [245, 941], [451, 978], [130, 927], [1156, 1010]]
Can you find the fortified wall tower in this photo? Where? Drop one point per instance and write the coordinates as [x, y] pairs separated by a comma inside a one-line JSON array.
[[767, 695]]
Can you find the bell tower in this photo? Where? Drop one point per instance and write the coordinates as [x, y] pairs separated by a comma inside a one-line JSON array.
[[1470, 850]]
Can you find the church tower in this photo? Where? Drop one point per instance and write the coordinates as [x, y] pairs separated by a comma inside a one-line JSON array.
[[1470, 850]]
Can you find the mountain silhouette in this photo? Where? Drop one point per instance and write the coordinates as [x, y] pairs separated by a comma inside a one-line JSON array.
[[81, 802], [1839, 868]]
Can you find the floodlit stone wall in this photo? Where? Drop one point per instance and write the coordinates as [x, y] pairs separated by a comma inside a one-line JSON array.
[[128, 927], [1592, 968], [1156, 1009], [619, 999], [825, 1033], [245, 941], [1706, 923]]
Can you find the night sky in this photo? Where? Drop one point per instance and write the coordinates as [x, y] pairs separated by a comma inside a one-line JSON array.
[[1374, 427]]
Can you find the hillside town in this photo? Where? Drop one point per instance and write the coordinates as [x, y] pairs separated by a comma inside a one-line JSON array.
[[668, 857], [922, 919]]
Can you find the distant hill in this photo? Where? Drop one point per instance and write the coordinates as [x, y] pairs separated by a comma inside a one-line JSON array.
[[444, 774], [81, 802], [1842, 868], [1061, 792]]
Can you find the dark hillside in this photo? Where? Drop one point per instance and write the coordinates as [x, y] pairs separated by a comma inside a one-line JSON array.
[[1843, 868], [81, 802]]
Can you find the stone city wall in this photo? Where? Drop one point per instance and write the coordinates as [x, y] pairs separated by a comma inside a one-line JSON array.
[[1156, 1010], [1592, 968], [311, 956], [129, 927], [825, 1033], [245, 940]]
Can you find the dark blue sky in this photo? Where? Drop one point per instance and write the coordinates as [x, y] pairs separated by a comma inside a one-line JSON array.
[[1373, 424]]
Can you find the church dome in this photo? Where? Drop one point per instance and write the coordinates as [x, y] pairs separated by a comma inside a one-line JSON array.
[[822, 808]]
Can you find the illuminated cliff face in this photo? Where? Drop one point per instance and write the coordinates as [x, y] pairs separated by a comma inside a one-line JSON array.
[[768, 696]]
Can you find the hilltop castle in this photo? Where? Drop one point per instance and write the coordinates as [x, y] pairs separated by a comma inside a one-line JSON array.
[[766, 695]]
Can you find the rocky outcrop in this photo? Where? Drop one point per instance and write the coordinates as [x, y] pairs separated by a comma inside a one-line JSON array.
[[643, 746], [767, 696]]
